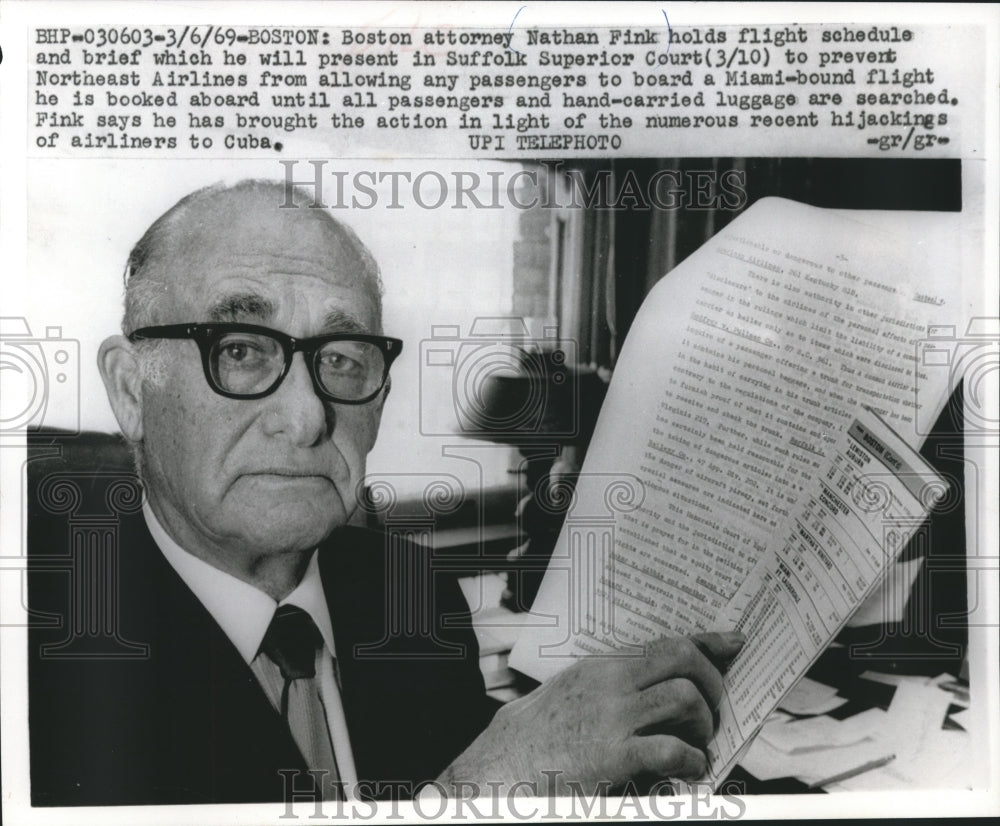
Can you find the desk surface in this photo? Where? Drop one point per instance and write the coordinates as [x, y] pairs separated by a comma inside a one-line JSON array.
[[845, 714]]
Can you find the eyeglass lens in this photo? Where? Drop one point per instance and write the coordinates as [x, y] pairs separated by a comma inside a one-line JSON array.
[[249, 363]]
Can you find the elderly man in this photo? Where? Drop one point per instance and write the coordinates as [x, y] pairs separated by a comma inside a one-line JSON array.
[[249, 382]]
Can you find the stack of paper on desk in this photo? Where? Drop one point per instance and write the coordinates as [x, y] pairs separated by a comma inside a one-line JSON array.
[[814, 749]]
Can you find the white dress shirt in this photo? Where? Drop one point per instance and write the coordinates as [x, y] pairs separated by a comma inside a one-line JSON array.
[[244, 613]]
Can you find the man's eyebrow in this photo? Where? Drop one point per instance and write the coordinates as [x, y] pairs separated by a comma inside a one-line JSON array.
[[339, 321], [242, 307]]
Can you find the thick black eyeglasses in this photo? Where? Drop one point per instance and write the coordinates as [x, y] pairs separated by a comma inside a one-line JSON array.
[[245, 361]]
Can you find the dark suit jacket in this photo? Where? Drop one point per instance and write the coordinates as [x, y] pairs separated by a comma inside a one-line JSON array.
[[186, 721]]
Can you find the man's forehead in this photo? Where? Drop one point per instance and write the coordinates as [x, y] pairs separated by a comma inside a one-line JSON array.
[[262, 238], [249, 306], [247, 263]]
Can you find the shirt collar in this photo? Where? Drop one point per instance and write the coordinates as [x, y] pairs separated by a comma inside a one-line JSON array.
[[242, 611]]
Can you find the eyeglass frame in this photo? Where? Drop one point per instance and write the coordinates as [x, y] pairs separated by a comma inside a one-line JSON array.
[[206, 334]]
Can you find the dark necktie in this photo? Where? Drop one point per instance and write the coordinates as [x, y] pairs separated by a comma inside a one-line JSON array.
[[291, 642]]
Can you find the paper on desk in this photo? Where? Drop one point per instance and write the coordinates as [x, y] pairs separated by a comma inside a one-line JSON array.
[[482, 592], [958, 689], [811, 697], [941, 763], [814, 733], [497, 630], [505, 694], [915, 715], [888, 603], [819, 747], [867, 724], [890, 679], [496, 627], [765, 762], [495, 671]]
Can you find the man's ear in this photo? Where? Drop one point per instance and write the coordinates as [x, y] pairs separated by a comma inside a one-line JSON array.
[[120, 369]]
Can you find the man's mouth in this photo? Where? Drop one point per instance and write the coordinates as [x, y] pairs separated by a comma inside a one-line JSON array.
[[291, 475], [288, 472]]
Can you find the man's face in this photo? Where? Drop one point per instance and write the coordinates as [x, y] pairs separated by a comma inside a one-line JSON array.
[[242, 478]]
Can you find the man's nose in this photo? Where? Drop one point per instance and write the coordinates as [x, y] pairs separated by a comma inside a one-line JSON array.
[[296, 410]]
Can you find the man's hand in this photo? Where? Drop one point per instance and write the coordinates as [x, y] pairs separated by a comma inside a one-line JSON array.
[[608, 720]]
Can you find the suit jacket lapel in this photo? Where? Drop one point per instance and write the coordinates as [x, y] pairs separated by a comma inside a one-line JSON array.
[[413, 702], [218, 734]]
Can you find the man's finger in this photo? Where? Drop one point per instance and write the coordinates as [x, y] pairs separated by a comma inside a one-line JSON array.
[[720, 648], [665, 756], [673, 657], [674, 707]]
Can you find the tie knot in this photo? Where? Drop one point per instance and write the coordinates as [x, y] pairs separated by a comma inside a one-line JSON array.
[[291, 642]]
